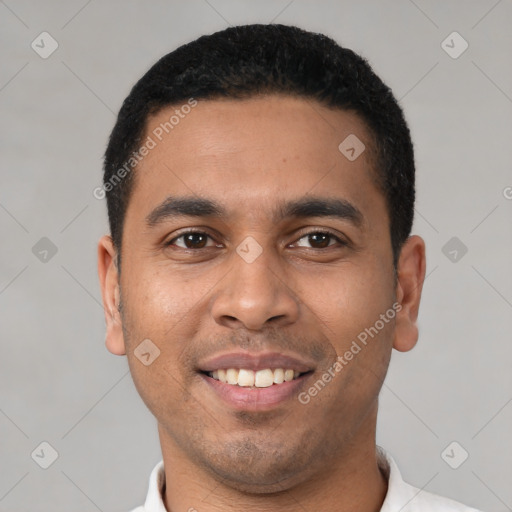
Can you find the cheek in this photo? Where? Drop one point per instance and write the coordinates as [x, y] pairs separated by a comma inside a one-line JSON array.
[[159, 302], [160, 310], [352, 300], [158, 307], [350, 306]]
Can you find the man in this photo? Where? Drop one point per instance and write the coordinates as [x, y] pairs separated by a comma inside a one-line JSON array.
[[260, 269]]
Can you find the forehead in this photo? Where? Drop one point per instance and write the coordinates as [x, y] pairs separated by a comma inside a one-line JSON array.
[[251, 153]]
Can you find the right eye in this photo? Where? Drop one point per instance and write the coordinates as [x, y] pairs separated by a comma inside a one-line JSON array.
[[191, 240]]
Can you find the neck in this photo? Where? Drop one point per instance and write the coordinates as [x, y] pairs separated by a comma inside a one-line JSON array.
[[352, 481]]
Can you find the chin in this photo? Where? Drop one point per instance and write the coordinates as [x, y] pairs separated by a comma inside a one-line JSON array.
[[251, 468], [262, 480]]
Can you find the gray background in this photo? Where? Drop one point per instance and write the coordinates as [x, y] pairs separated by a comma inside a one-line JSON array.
[[59, 384]]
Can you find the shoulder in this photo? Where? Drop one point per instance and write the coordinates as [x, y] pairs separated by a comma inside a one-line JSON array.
[[404, 497], [154, 500], [424, 501]]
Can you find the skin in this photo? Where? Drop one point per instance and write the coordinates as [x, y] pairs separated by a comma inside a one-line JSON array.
[[300, 295]]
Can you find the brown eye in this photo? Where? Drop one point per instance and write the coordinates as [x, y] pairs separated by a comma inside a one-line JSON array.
[[191, 240], [318, 240]]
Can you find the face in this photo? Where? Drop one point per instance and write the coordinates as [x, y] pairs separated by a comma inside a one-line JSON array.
[[255, 251]]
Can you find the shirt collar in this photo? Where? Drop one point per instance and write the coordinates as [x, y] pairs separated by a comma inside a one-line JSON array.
[[154, 500]]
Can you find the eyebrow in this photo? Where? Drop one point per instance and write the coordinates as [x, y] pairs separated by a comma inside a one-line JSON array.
[[189, 206]]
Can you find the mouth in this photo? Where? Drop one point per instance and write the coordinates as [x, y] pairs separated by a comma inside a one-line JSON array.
[[255, 382]]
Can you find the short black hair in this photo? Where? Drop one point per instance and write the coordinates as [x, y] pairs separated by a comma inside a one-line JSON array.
[[251, 60]]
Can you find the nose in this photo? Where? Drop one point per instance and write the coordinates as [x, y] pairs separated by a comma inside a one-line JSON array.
[[255, 295]]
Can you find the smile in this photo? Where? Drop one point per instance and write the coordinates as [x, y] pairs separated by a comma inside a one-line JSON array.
[[255, 381]]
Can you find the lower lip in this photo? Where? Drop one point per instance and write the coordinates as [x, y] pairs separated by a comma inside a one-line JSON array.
[[256, 399]]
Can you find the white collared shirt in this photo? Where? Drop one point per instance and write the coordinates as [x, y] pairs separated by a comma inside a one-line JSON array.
[[401, 497]]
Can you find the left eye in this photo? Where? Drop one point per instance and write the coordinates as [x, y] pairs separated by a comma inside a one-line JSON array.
[[318, 240]]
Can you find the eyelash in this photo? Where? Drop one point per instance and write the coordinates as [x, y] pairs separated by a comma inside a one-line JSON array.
[[302, 235]]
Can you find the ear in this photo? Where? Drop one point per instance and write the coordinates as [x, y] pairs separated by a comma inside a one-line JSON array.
[[411, 274], [109, 282]]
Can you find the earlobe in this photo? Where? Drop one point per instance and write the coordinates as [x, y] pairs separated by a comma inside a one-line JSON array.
[[411, 274], [109, 282]]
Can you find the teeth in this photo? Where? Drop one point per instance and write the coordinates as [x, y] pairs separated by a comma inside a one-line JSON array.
[[278, 376], [245, 378], [249, 378], [232, 376], [264, 378]]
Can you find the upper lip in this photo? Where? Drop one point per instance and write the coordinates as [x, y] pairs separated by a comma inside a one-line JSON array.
[[255, 361]]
